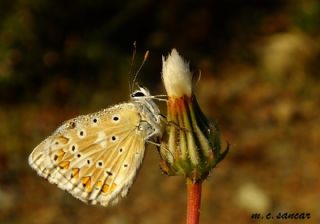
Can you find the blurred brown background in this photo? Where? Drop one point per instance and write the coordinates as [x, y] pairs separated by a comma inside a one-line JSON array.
[[260, 80]]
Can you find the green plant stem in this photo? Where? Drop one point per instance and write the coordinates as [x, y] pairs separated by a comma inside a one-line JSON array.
[[193, 201]]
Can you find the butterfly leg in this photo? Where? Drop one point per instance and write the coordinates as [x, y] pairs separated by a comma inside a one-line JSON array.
[[168, 123], [153, 143]]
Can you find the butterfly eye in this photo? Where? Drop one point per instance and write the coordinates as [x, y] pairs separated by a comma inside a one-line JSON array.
[[137, 94]]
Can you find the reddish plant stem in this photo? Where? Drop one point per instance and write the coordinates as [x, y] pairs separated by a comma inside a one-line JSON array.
[[193, 201]]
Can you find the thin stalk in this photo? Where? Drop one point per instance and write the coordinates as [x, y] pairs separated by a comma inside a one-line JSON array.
[[193, 201]]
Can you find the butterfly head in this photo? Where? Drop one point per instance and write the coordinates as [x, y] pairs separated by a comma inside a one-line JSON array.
[[140, 94], [149, 110], [143, 96]]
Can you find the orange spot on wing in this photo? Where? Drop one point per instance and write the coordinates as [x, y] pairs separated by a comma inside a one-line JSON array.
[[62, 139], [64, 164], [75, 172], [107, 188], [86, 181], [98, 184], [60, 153]]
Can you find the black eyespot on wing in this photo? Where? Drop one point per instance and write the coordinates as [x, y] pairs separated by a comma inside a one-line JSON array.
[[115, 118], [72, 124]]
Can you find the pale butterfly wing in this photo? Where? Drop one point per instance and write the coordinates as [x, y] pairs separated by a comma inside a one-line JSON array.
[[96, 157]]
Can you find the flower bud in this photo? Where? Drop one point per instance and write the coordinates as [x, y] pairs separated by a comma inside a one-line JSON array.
[[191, 144]]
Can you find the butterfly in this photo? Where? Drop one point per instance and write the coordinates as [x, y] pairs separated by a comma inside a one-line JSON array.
[[96, 157]]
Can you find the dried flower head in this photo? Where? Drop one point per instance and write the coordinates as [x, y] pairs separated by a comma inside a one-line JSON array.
[[191, 144], [176, 75]]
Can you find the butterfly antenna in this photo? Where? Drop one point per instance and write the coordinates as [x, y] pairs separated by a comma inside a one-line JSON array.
[[146, 55], [131, 65]]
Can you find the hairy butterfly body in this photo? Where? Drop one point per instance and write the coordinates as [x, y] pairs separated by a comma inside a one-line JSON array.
[[95, 157]]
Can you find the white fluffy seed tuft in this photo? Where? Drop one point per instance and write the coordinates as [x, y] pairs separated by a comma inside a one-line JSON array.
[[176, 75]]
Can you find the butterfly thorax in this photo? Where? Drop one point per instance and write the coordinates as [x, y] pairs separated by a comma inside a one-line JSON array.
[[149, 112]]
